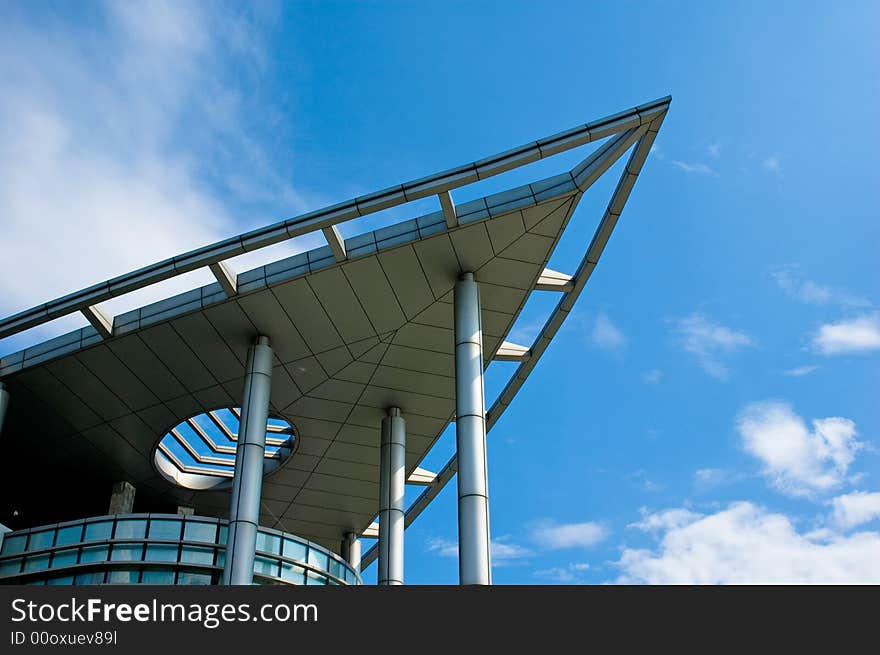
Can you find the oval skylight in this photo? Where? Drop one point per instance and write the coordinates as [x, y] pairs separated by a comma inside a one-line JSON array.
[[199, 453]]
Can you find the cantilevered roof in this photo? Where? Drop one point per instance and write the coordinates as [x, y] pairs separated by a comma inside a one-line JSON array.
[[356, 326]]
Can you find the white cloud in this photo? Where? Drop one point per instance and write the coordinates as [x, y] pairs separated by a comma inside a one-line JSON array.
[[856, 335], [746, 544], [694, 167], [707, 341], [799, 371], [118, 143], [443, 547], [558, 536], [792, 281], [564, 574], [714, 150], [856, 508], [654, 376], [798, 461], [606, 335]]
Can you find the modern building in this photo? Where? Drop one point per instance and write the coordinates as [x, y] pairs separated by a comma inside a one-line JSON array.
[[265, 424]]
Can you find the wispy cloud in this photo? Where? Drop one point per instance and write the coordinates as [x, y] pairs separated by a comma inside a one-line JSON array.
[[714, 149], [799, 371], [709, 341], [570, 574], [694, 167], [504, 551], [793, 282], [606, 335], [850, 336], [771, 164], [557, 536], [121, 141], [654, 376], [797, 460], [710, 477]]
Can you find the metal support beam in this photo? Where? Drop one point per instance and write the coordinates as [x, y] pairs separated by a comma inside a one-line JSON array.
[[512, 352], [551, 280], [247, 482], [336, 243], [351, 550], [392, 483], [4, 404], [474, 565], [448, 209], [421, 477], [99, 320], [225, 276]]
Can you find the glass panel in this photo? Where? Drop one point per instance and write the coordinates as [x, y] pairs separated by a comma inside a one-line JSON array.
[[197, 555], [37, 562], [157, 577], [64, 558], [313, 578], [318, 559], [268, 543], [335, 568], [36, 583], [165, 529], [196, 531], [63, 580], [224, 531], [72, 534], [93, 554], [10, 567], [221, 557], [98, 531], [42, 539], [292, 573], [266, 566], [13, 545], [294, 550], [123, 576], [95, 577], [130, 529], [187, 577], [161, 553], [350, 576], [126, 553]]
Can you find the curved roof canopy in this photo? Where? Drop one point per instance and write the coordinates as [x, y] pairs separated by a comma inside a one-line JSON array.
[[357, 326]]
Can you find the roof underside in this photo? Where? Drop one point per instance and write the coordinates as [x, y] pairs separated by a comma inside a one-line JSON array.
[[350, 338]]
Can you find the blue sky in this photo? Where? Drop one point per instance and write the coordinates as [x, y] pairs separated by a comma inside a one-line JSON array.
[[709, 411]]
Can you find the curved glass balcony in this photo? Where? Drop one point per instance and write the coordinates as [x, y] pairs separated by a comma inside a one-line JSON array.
[[158, 549]]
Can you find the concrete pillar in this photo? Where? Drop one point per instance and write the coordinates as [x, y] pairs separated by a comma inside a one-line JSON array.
[[474, 566], [247, 482], [351, 550], [122, 498], [4, 403], [392, 482]]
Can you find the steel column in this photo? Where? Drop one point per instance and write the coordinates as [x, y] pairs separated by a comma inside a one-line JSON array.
[[247, 483], [392, 481], [351, 550], [474, 565]]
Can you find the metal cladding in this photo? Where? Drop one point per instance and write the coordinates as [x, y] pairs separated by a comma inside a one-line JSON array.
[[357, 326]]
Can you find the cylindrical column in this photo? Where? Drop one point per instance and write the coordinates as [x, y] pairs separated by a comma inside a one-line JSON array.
[[392, 481], [474, 565], [4, 403], [351, 550], [247, 483]]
